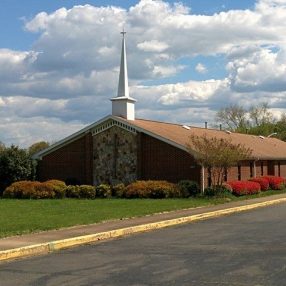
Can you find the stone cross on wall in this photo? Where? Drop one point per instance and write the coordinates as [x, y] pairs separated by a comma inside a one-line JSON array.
[[115, 144]]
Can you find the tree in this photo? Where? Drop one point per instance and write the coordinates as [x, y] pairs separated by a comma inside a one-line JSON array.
[[37, 147], [2, 147], [218, 154], [260, 115], [233, 117], [15, 165]]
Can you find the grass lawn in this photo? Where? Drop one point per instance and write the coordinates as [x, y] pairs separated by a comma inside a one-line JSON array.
[[25, 216]]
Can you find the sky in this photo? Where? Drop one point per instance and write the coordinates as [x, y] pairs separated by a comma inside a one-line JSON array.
[[59, 61]]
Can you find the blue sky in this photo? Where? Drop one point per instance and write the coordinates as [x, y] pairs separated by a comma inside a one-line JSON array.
[[186, 59]]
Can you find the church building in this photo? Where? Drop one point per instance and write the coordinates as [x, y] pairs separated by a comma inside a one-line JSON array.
[[123, 148]]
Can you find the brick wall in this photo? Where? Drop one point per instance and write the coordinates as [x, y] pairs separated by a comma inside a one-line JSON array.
[[160, 161], [73, 161], [283, 169]]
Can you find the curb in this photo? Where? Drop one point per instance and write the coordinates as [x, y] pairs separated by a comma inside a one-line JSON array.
[[48, 247]]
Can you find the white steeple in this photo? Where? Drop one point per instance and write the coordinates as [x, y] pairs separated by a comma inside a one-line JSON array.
[[123, 105]]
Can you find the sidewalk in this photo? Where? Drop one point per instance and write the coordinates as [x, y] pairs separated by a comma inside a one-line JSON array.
[[126, 226]]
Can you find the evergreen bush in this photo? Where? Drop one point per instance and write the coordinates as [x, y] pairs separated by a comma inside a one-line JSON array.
[[188, 188]]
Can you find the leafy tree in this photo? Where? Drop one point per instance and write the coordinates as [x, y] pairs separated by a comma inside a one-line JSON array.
[[257, 120], [37, 147], [15, 165], [218, 154]]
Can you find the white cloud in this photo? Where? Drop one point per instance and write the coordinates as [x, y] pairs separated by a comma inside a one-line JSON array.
[[200, 68], [152, 46], [262, 70], [67, 78], [34, 129]]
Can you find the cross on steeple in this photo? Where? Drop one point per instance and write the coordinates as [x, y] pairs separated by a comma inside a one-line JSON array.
[[123, 32], [123, 104]]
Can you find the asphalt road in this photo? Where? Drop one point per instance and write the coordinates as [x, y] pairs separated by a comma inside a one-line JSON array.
[[247, 248]]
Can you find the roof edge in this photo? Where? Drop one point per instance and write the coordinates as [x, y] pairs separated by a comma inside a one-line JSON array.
[[82, 132], [69, 139]]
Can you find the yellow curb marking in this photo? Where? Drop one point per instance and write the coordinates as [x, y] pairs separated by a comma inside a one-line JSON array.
[[47, 247]]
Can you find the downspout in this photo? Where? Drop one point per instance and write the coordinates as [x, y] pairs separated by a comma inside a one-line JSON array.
[[203, 179]]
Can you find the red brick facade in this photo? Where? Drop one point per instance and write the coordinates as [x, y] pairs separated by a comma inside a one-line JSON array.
[[249, 169], [158, 160], [72, 162]]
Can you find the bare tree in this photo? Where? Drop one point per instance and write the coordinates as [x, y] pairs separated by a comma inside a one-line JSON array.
[[233, 117], [261, 114], [218, 154]]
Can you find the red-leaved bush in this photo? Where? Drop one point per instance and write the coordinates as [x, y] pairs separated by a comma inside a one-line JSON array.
[[240, 188], [275, 183], [264, 184]]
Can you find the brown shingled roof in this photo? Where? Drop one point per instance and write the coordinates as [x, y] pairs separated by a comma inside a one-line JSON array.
[[267, 148]]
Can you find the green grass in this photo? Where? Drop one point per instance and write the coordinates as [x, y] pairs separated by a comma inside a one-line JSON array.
[[26, 216]]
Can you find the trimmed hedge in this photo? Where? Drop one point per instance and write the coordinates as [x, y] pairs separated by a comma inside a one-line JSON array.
[[81, 192], [152, 189], [118, 190], [34, 190], [55, 189], [264, 183], [275, 183], [59, 188], [103, 191], [240, 188]]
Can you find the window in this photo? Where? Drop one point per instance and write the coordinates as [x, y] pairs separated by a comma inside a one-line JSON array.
[[209, 177], [239, 172], [251, 165]]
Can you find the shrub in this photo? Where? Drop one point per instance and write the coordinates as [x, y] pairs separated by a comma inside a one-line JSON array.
[[188, 188], [103, 191], [218, 192], [59, 188], [87, 192], [30, 190], [43, 191], [275, 183], [227, 187], [119, 190], [240, 188], [152, 189], [73, 191], [264, 184], [19, 190]]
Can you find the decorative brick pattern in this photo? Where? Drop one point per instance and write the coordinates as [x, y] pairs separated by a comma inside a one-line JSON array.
[[114, 156]]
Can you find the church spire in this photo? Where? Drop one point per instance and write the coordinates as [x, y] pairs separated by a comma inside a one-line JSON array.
[[123, 89], [123, 105]]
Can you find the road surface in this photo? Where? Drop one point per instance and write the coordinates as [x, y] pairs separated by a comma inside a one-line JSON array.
[[247, 248]]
